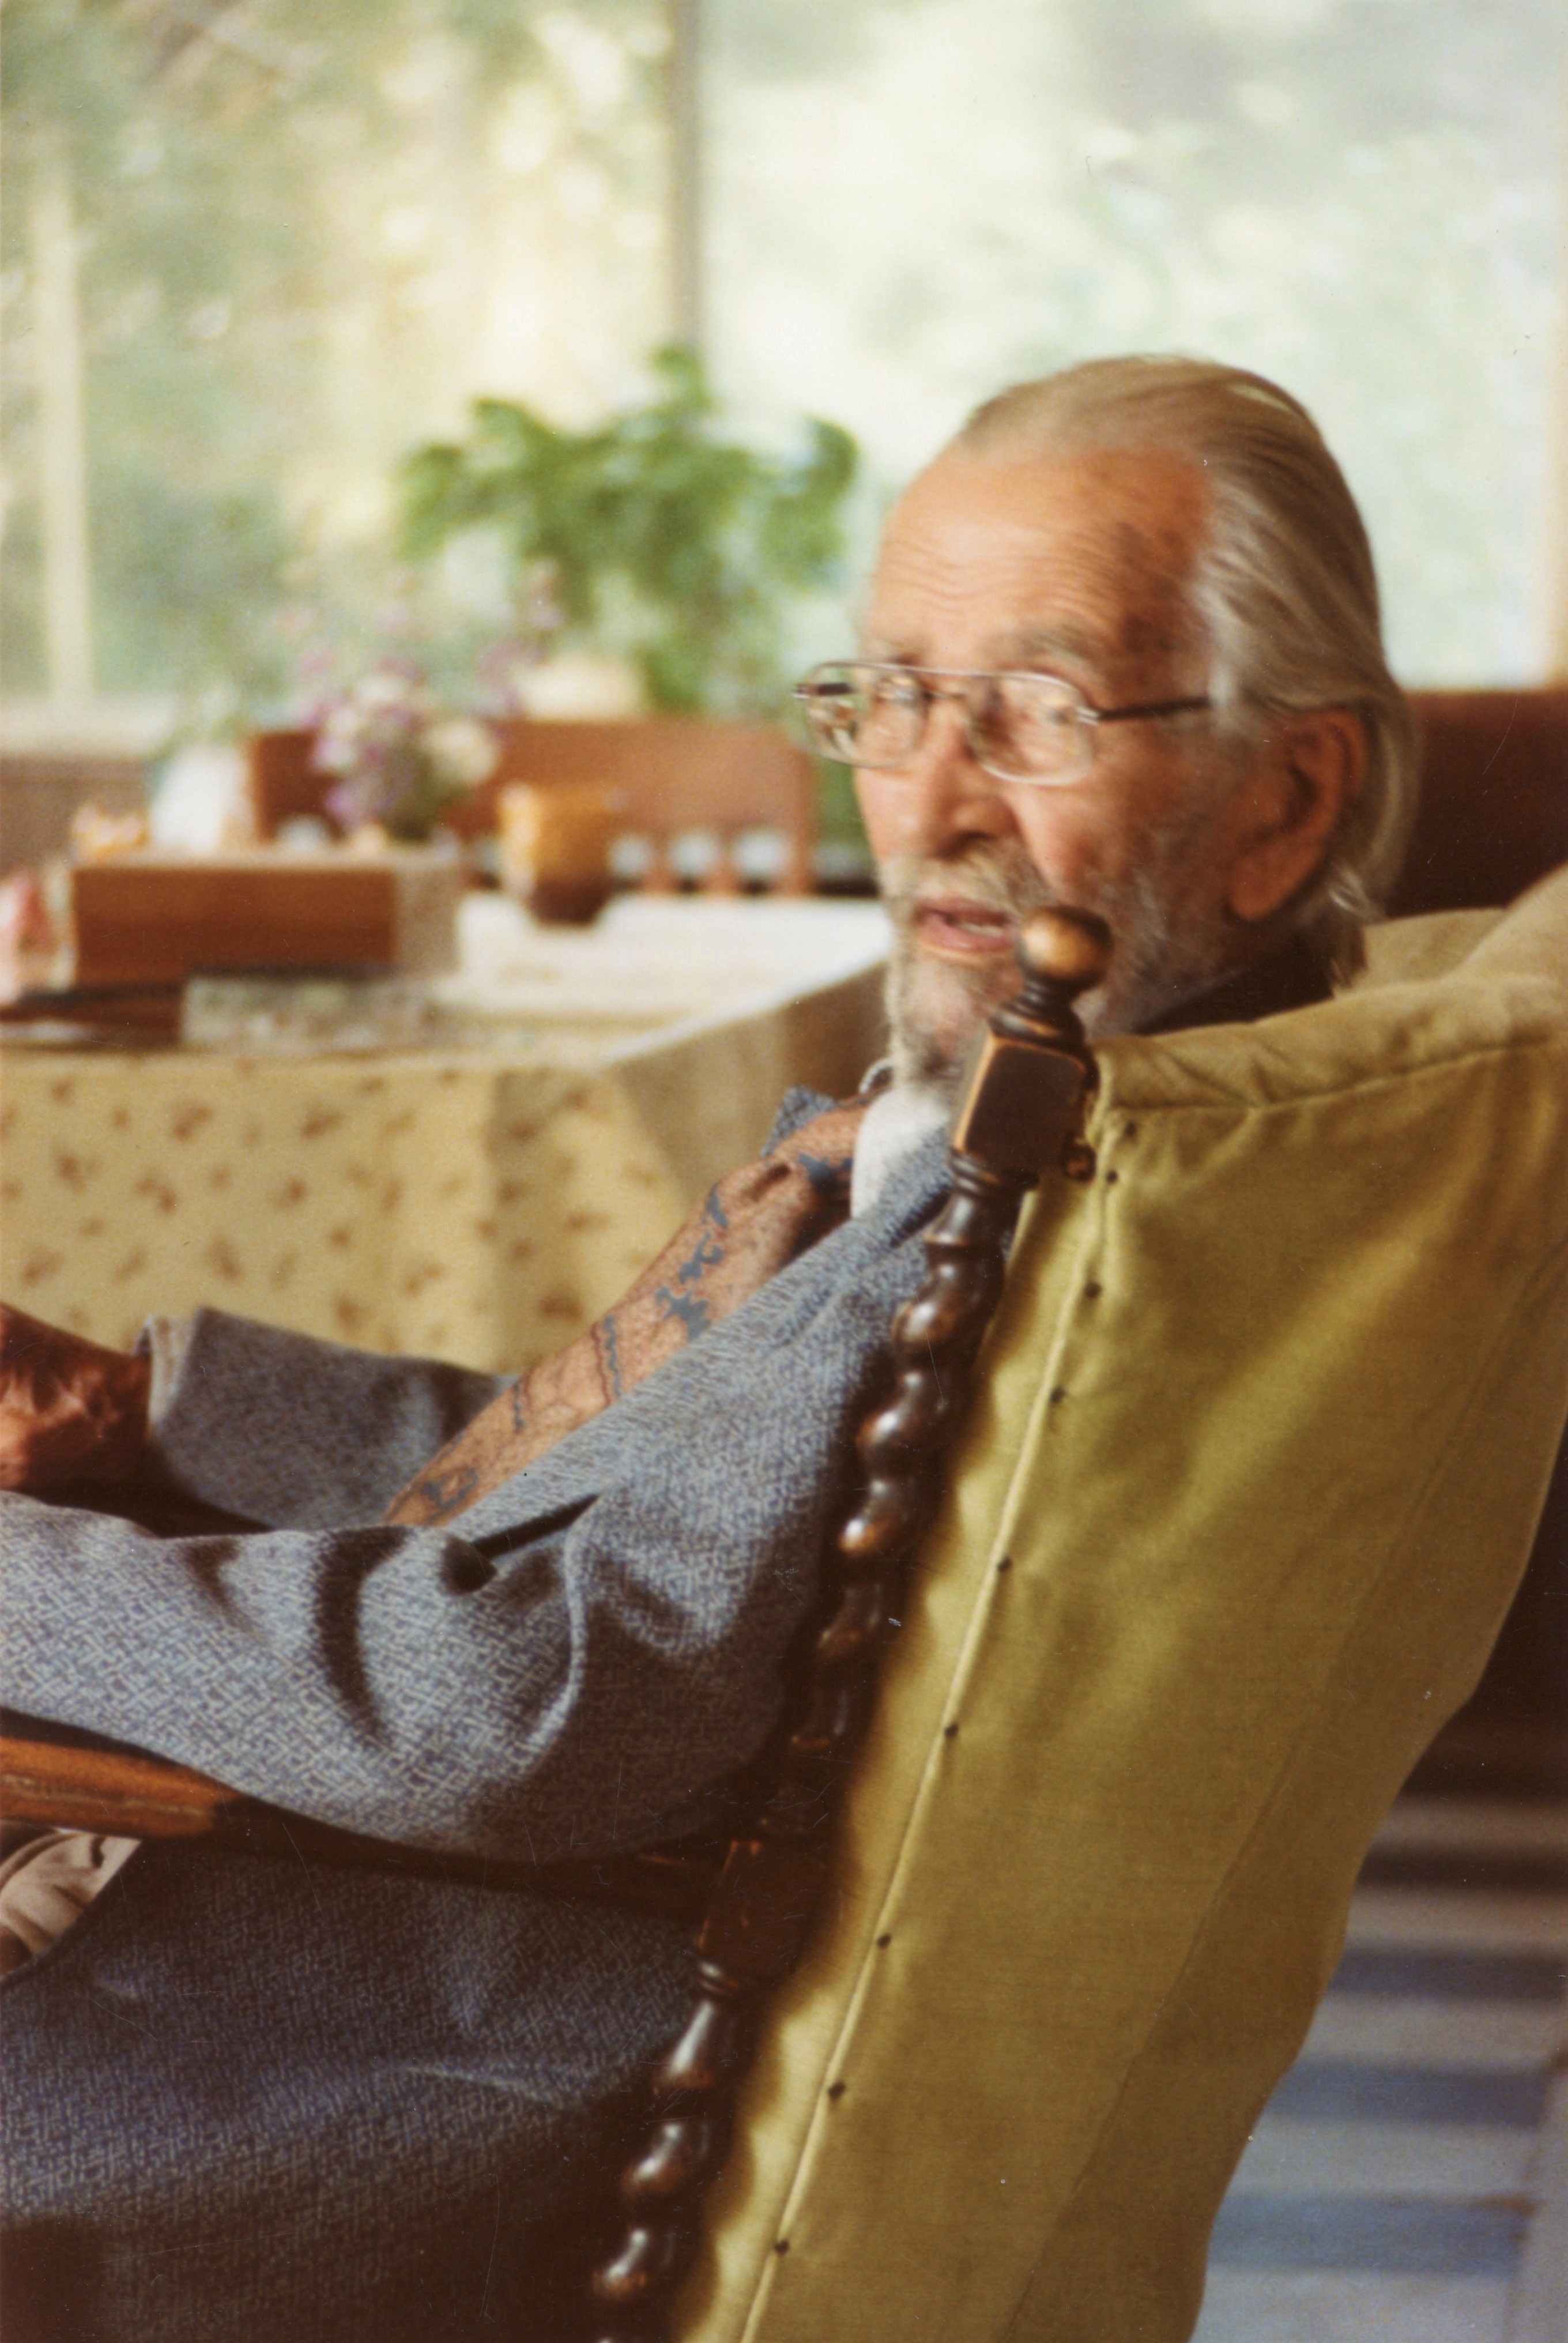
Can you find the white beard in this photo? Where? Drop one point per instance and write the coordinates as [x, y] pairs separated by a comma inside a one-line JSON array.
[[1165, 949]]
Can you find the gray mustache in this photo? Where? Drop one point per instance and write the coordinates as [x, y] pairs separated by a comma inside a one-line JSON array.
[[1000, 878]]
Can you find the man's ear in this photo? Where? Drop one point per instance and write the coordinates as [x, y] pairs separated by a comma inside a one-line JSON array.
[[1294, 800]]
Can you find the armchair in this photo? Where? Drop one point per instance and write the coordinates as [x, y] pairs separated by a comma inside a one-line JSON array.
[[1269, 1414]]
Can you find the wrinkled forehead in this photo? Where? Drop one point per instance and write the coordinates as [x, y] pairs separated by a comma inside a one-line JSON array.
[[1082, 559]]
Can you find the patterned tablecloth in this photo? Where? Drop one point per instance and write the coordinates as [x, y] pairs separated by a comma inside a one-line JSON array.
[[481, 1203]]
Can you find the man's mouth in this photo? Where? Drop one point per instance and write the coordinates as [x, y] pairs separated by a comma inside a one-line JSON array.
[[957, 928]]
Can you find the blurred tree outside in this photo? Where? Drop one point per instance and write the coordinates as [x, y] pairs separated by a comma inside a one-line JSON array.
[[291, 244], [913, 202], [301, 240]]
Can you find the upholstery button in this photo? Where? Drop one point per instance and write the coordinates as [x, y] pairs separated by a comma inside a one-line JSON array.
[[1093, 1289]]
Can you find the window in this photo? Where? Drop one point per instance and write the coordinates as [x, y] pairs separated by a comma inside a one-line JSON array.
[[912, 202], [255, 252]]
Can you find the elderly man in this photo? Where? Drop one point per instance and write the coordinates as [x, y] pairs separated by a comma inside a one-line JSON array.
[[1122, 655]]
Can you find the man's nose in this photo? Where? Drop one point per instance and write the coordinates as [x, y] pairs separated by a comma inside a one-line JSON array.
[[950, 798]]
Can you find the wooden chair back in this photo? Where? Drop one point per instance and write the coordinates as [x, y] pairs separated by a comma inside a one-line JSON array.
[[284, 784], [671, 774], [1494, 809]]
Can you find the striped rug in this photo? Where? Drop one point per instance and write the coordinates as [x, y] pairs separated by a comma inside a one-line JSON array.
[[1409, 2180]]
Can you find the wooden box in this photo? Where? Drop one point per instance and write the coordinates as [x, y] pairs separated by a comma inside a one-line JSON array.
[[157, 919]]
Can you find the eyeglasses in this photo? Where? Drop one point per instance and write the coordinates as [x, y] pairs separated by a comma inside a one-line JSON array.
[[1034, 729]]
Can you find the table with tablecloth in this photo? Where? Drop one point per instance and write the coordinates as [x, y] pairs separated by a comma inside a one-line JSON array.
[[481, 1203]]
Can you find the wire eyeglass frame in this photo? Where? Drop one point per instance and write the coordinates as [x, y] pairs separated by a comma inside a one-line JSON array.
[[824, 692]]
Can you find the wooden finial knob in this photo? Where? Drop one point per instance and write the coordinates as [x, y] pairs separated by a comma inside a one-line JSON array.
[[1069, 949]]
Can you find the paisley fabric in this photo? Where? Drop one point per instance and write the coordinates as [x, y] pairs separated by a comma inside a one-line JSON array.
[[748, 1228]]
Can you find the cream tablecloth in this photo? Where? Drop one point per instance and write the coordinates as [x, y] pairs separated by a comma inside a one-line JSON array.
[[480, 1204]]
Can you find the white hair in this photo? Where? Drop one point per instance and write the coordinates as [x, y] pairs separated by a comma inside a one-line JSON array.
[[1283, 584]]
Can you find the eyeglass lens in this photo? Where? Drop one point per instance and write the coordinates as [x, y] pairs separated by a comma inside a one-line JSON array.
[[1018, 725]]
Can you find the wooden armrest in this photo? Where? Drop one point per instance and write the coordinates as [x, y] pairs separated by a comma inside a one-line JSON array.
[[126, 1794], [100, 1790]]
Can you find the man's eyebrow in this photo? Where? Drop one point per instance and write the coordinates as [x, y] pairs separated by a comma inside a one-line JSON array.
[[1028, 647], [1039, 646]]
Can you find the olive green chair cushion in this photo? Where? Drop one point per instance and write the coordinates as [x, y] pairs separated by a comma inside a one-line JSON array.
[[1269, 1413]]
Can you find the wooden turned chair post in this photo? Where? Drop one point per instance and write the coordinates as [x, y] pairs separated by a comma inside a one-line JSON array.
[[1023, 1109], [722, 876]]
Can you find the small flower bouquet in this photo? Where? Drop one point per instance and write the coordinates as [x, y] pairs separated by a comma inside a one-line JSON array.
[[401, 761]]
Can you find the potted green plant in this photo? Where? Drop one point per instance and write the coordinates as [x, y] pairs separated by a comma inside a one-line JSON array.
[[654, 536]]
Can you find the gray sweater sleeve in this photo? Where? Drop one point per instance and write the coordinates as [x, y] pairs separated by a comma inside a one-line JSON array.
[[595, 1642], [297, 1434]]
